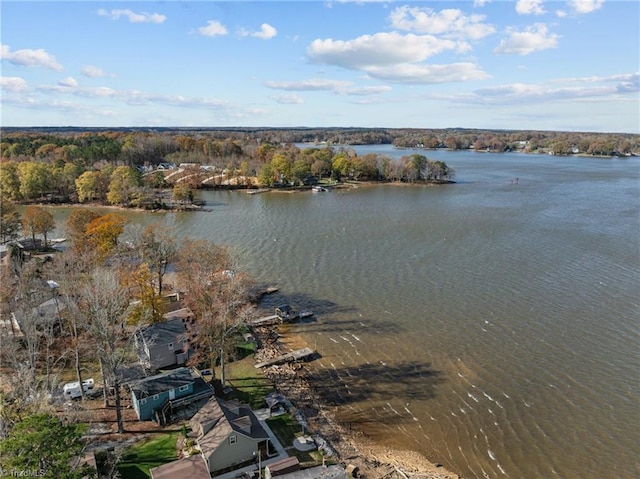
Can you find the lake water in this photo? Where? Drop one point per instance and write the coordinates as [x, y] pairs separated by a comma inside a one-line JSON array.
[[489, 325]]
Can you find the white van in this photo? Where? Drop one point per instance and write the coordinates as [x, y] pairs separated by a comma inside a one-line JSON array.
[[72, 390]]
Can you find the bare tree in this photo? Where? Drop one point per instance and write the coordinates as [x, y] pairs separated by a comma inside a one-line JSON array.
[[218, 295], [105, 303]]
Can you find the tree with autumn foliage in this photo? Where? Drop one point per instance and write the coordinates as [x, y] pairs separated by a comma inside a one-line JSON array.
[[103, 233], [36, 220], [76, 228]]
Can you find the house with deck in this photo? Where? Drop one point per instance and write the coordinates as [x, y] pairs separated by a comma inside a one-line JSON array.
[[163, 344], [229, 436], [151, 395]]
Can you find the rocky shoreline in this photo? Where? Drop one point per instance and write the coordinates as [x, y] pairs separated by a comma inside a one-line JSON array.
[[370, 460]]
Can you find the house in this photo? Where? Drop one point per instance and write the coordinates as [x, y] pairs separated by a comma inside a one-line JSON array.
[[164, 344], [229, 436], [150, 395], [192, 467]]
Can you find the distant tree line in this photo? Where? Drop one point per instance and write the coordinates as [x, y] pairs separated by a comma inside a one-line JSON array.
[[121, 167]]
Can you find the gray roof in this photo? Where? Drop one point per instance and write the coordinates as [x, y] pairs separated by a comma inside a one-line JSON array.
[[162, 382], [217, 419], [163, 333]]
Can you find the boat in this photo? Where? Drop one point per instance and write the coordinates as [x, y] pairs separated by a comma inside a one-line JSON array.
[[317, 188]]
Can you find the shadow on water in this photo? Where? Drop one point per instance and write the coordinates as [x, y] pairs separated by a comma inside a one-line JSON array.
[[302, 301], [382, 382]]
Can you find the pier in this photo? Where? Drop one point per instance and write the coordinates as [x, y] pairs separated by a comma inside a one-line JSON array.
[[297, 355], [266, 320]]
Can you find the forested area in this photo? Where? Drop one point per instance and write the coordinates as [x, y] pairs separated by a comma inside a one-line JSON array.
[[138, 167]]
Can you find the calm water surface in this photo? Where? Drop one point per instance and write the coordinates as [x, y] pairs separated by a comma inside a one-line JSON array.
[[489, 325]]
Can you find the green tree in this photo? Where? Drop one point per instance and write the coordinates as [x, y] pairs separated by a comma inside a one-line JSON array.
[[266, 175], [300, 170], [45, 446], [37, 220], [281, 166], [419, 163], [340, 165], [182, 192], [90, 186], [10, 221], [9, 180], [124, 182], [36, 179]]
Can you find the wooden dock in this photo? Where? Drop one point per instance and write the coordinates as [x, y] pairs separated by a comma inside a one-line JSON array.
[[274, 318], [296, 355]]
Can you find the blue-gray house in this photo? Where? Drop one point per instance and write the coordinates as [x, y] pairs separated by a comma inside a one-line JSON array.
[[150, 395], [165, 344]]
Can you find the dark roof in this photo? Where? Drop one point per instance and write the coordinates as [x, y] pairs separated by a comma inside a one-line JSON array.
[[131, 372], [162, 382], [163, 333]]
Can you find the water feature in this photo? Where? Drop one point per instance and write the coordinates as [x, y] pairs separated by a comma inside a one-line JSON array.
[[490, 325]]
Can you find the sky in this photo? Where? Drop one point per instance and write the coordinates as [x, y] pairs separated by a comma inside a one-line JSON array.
[[570, 65]]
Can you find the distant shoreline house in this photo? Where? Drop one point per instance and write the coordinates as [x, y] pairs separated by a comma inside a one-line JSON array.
[[229, 436], [164, 344]]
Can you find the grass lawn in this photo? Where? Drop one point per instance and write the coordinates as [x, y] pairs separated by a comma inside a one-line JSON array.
[[286, 428], [141, 457], [249, 383]]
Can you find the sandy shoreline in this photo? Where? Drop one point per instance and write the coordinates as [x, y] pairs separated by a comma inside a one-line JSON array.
[[351, 448]]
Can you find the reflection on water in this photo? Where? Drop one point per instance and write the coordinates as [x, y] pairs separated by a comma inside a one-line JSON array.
[[489, 325]]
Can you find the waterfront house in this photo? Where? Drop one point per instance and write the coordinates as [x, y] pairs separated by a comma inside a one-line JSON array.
[[164, 344], [229, 436], [150, 395], [192, 467]]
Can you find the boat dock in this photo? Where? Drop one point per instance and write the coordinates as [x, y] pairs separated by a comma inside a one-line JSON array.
[[296, 355], [274, 318]]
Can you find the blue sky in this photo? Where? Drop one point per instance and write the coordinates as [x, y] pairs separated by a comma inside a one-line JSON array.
[[528, 64]]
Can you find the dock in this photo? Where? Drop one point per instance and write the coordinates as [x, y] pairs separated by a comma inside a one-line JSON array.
[[296, 355], [274, 318]]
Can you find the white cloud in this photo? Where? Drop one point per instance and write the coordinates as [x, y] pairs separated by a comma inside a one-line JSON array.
[[395, 57], [366, 90], [288, 99], [428, 74], [337, 86], [94, 72], [530, 7], [561, 13], [30, 58], [308, 85], [480, 3], [69, 82], [133, 17], [213, 29], [586, 89], [14, 84], [585, 6], [377, 50], [451, 23], [533, 39], [266, 32]]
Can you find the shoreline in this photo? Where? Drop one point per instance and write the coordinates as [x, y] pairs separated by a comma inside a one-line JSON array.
[[352, 448]]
